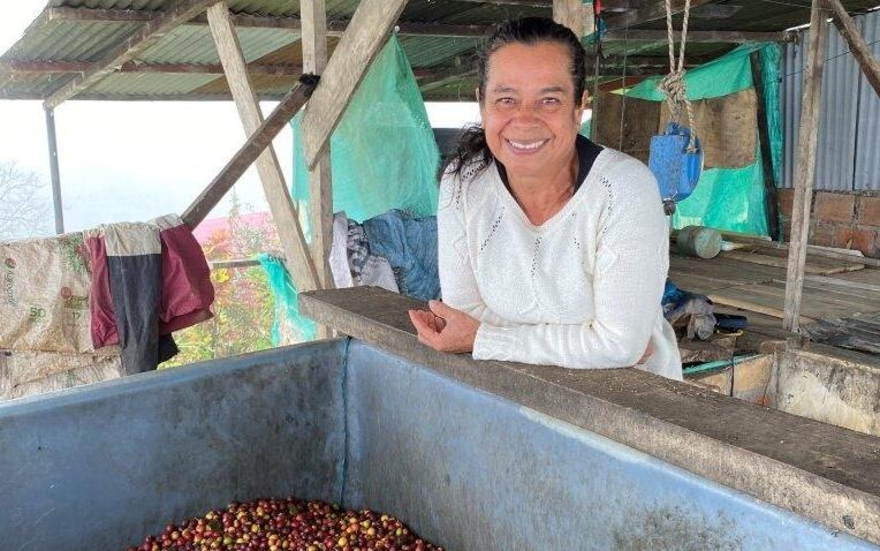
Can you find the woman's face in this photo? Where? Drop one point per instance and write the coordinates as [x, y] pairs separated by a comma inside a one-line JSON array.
[[529, 113]]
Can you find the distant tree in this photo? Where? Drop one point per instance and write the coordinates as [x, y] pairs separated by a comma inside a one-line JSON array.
[[243, 305], [25, 210]]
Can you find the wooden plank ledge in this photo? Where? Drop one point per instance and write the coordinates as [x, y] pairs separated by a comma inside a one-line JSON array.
[[818, 471]]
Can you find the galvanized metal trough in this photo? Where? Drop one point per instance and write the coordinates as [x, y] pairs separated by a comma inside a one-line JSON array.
[[473, 455]]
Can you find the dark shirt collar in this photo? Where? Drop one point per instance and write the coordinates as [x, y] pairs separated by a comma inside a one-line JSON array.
[[587, 151]]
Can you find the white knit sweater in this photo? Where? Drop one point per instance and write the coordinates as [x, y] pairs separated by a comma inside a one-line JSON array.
[[582, 290]]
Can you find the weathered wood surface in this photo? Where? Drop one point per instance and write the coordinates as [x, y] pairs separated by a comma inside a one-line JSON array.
[[363, 39], [299, 259], [860, 50], [649, 11], [314, 51], [255, 145], [778, 458], [805, 166]]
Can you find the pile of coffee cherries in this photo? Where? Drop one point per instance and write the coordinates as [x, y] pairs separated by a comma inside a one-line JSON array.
[[287, 525]]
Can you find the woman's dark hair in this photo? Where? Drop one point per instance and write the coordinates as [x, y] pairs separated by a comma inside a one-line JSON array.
[[530, 31]]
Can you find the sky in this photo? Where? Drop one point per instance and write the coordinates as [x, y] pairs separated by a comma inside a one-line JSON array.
[[132, 161]]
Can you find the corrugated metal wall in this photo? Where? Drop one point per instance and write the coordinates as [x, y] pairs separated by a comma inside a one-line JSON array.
[[848, 155], [867, 169]]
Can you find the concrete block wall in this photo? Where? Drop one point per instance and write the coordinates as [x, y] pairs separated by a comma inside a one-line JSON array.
[[848, 220]]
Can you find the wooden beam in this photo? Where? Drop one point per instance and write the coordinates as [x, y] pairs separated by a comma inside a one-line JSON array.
[[314, 51], [525, 3], [296, 250], [366, 34], [648, 11], [335, 28], [860, 50], [632, 35], [255, 145], [805, 167], [54, 67], [575, 15], [151, 31], [432, 82], [100, 15], [406, 28]]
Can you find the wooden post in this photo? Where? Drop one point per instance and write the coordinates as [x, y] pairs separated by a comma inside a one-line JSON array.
[[255, 145], [299, 260], [869, 64], [363, 38], [140, 41], [805, 168], [314, 52]]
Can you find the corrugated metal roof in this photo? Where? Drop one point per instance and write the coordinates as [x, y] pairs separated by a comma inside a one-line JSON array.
[[193, 44], [867, 169], [848, 148], [135, 84], [69, 40], [83, 41], [431, 51]]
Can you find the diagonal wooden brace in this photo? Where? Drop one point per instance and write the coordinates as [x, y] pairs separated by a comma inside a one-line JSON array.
[[296, 250]]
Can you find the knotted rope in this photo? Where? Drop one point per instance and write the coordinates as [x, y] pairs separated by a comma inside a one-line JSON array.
[[673, 85]]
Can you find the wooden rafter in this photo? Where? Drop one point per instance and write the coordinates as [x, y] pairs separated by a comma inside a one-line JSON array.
[[861, 51], [54, 67], [365, 36], [255, 145], [314, 51], [151, 31], [649, 10], [805, 166], [299, 260], [699, 36], [14, 68], [526, 3]]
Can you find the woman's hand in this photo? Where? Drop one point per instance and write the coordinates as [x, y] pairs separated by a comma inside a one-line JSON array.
[[444, 328]]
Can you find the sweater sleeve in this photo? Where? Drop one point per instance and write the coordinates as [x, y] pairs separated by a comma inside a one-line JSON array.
[[632, 261], [457, 280]]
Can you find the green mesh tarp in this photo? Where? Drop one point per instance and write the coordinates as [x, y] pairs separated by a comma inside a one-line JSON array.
[[383, 154], [290, 326], [730, 199]]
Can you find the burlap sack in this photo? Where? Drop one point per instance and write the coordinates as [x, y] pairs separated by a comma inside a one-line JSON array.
[[29, 373], [44, 296]]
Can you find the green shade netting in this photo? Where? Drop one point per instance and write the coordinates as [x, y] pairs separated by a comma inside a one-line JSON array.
[[383, 154], [727, 198], [730, 199], [586, 127], [289, 322]]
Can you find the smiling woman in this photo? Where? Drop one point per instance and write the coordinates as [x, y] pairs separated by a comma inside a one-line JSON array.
[[552, 249]]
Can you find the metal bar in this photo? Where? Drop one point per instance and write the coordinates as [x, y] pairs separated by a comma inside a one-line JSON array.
[[53, 67], [56, 173]]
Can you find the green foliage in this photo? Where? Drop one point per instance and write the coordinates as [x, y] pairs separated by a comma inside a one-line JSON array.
[[243, 307]]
